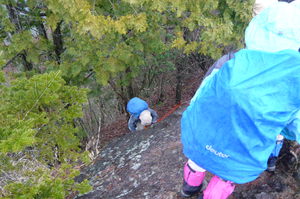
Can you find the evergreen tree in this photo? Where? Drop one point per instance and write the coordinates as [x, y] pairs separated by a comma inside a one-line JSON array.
[[51, 49]]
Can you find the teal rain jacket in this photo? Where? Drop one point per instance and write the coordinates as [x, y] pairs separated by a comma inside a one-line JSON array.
[[231, 124]]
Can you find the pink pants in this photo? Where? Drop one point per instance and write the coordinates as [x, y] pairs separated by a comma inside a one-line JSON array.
[[216, 189]]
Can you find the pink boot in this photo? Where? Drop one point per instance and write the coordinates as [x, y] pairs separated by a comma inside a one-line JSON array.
[[218, 189], [192, 182]]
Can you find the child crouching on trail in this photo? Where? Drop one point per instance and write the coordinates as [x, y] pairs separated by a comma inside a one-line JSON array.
[[140, 114], [232, 123]]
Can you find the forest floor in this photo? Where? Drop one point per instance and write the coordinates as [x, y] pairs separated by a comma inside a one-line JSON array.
[[191, 82]]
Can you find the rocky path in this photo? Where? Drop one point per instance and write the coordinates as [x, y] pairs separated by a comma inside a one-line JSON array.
[[148, 165]]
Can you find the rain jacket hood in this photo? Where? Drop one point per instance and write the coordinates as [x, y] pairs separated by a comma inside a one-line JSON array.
[[276, 28]]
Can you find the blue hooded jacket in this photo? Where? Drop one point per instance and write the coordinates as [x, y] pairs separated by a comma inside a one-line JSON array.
[[231, 124]]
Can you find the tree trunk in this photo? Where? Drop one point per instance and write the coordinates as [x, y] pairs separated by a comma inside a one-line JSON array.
[[129, 87], [27, 65], [161, 95], [179, 68], [13, 17], [42, 30], [58, 42], [121, 95]]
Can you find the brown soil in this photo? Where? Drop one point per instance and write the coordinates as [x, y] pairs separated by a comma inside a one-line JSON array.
[[190, 84]]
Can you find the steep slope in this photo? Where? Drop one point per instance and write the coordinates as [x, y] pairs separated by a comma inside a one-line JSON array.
[[148, 164]]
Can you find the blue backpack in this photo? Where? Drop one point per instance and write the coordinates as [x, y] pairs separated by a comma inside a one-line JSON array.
[[136, 105]]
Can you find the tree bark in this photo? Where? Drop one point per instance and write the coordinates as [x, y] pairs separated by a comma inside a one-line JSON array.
[[130, 89], [27, 65], [161, 85], [179, 68], [58, 42], [13, 17], [121, 95]]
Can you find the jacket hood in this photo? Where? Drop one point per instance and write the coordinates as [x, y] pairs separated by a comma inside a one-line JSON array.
[[276, 28]]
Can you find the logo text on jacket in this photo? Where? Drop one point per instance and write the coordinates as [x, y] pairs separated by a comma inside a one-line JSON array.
[[220, 154]]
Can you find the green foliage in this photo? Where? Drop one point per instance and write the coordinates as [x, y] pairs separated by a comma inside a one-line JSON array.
[[31, 104], [60, 46], [2, 78], [57, 184], [221, 23], [118, 41], [108, 37], [39, 112]]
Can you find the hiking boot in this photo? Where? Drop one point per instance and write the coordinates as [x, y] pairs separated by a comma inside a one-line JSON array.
[[188, 191], [272, 164], [200, 196], [192, 181]]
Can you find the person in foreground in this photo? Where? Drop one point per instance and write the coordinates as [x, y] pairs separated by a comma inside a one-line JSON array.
[[232, 123], [258, 7], [140, 114]]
